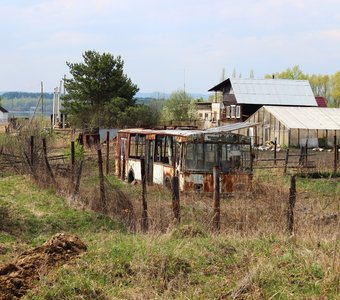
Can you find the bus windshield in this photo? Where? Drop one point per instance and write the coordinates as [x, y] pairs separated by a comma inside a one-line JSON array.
[[204, 156]]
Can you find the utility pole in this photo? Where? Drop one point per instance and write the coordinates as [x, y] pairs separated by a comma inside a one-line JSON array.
[[42, 100], [53, 108], [59, 94]]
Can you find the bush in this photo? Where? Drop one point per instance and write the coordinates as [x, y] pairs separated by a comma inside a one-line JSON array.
[[78, 151]]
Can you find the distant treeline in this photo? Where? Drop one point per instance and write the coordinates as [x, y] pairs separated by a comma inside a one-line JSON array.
[[24, 101], [19, 95]]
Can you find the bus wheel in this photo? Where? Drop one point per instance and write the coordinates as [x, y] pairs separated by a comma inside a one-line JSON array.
[[131, 176], [167, 182]]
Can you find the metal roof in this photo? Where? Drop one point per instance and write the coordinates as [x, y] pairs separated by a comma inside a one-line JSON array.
[[190, 132], [2, 109], [273, 91], [230, 127], [177, 132], [269, 91], [306, 117], [321, 101]]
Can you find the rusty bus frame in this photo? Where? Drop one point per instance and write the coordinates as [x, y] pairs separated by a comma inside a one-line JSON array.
[[189, 154]]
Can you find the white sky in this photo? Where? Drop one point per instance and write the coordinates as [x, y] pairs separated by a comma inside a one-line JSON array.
[[166, 44]]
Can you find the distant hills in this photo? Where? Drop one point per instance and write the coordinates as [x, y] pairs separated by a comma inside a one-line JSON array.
[[159, 95], [139, 95], [23, 95]]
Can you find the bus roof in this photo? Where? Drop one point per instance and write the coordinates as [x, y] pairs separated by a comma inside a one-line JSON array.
[[190, 132]]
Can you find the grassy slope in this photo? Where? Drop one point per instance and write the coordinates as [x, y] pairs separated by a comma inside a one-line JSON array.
[[183, 263]]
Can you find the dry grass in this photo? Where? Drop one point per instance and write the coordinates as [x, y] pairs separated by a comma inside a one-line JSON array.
[[251, 258]]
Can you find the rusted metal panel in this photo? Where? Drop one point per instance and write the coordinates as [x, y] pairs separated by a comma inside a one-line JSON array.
[[205, 183], [208, 183], [150, 137], [227, 183]]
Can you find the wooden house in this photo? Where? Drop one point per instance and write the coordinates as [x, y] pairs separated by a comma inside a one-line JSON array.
[[241, 98]]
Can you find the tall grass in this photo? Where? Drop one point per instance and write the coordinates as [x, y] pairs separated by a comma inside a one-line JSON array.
[[251, 258]]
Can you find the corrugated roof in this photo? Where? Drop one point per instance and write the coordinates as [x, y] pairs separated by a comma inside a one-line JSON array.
[[307, 117], [177, 132], [273, 92], [321, 101], [185, 132], [3, 110], [230, 127]]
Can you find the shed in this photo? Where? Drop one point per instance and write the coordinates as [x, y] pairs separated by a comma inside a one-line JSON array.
[[293, 126], [3, 115]]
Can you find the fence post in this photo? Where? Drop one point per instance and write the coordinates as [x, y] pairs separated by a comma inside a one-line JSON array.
[[335, 150], [72, 162], [216, 196], [145, 222], [275, 146], [175, 198], [107, 151], [77, 187], [291, 204], [251, 157], [101, 179], [286, 161], [123, 167], [48, 164]]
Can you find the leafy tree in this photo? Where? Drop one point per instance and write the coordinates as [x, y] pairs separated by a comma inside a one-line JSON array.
[[336, 89], [179, 107], [121, 115], [320, 84], [98, 89], [327, 86], [293, 73]]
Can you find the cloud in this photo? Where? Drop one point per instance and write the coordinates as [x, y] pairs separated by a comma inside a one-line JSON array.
[[64, 39], [330, 35]]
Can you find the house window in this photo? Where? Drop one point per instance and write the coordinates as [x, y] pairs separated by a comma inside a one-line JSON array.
[[233, 111], [228, 112], [206, 116], [238, 112]]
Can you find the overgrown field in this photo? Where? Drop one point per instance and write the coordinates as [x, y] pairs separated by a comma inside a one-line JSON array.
[[251, 258]]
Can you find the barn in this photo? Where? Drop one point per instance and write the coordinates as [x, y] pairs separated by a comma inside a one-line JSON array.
[[294, 126]]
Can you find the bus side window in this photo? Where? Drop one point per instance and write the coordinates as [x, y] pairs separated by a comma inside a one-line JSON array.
[[200, 156], [158, 151], [225, 163], [190, 158]]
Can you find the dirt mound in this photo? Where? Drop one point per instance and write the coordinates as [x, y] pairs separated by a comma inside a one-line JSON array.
[[19, 275]]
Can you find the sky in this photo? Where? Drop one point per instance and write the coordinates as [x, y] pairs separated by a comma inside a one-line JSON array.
[[167, 45]]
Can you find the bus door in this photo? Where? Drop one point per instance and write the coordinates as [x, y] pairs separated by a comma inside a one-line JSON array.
[[123, 157], [150, 145], [177, 158]]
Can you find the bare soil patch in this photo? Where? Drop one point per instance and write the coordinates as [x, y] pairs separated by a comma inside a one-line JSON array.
[[17, 277]]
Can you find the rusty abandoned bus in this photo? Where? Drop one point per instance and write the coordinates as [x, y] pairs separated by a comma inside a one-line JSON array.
[[188, 154]]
